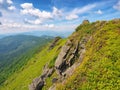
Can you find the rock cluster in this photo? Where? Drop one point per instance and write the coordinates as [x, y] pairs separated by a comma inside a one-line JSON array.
[[39, 82], [70, 57], [54, 42]]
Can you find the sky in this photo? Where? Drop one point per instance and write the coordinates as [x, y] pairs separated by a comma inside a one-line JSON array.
[[18, 16]]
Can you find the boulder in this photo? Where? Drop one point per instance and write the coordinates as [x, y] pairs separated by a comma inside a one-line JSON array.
[[54, 80], [85, 22], [54, 42], [37, 84]]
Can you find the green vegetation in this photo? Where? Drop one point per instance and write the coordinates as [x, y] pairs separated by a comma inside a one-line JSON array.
[[23, 77], [52, 62], [15, 51], [100, 69]]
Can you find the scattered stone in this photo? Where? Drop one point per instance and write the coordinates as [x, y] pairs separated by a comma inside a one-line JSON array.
[[50, 72], [54, 80], [53, 87]]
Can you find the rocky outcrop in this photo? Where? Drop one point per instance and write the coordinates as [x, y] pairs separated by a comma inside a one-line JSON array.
[[47, 72], [39, 82], [54, 42], [61, 61], [70, 57], [67, 56]]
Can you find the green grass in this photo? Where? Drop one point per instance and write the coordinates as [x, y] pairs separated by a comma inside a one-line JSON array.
[[22, 78], [15, 52], [100, 69]]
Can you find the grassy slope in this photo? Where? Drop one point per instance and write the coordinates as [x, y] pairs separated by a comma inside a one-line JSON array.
[[100, 69], [15, 51], [21, 79]]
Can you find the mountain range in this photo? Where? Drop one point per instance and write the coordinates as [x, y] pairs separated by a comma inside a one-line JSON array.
[[16, 50]]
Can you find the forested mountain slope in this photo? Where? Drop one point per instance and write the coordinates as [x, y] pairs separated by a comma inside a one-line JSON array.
[[21, 78], [16, 50]]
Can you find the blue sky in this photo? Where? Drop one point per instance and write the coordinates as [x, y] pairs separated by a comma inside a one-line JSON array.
[[18, 16]]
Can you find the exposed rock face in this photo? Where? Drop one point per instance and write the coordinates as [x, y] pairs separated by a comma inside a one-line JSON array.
[[61, 63], [66, 57], [65, 63]]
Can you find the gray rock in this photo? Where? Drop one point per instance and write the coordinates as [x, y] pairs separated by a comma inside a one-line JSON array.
[[37, 84], [61, 57], [54, 42], [53, 87], [50, 72], [85, 22], [54, 80]]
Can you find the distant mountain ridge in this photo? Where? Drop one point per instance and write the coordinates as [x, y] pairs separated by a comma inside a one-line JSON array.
[[41, 33], [17, 49]]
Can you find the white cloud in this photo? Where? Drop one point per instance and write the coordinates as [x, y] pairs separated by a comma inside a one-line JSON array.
[[42, 16], [50, 25], [30, 10], [56, 12], [74, 14], [117, 6], [72, 17], [7, 4], [11, 8], [27, 6], [84, 9], [99, 12], [36, 22]]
